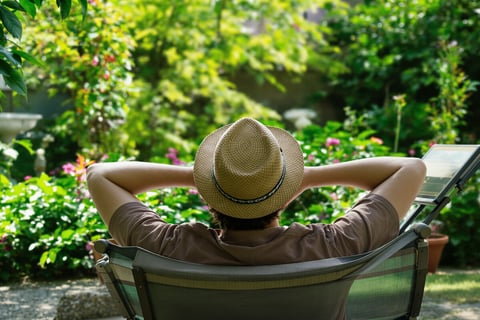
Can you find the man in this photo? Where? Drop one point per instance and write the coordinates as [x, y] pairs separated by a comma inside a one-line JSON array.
[[248, 173]]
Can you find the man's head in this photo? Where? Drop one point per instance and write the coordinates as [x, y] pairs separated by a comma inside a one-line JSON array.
[[247, 170]]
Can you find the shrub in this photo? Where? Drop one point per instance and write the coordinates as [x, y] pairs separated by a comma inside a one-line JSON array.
[[460, 222], [46, 224], [332, 143], [394, 47]]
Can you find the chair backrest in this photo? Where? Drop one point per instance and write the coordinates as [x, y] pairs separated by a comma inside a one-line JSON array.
[[386, 283]]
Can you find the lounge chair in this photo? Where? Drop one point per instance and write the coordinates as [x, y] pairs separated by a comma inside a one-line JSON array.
[[386, 283]]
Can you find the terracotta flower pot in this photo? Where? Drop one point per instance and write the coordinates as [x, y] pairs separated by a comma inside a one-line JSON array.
[[436, 243]]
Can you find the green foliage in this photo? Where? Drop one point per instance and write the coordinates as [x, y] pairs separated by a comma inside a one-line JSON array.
[[332, 143], [184, 58], [178, 205], [8, 154], [11, 30], [46, 224], [447, 111], [187, 55], [461, 221], [449, 108], [394, 48], [98, 78]]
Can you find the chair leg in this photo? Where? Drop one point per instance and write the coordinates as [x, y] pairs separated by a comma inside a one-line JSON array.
[[420, 277], [142, 291], [111, 283]]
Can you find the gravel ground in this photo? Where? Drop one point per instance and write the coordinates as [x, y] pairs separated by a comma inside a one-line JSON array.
[[444, 310], [39, 301]]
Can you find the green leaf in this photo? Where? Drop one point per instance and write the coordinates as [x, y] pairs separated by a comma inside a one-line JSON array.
[[15, 5], [4, 180], [65, 6], [218, 7], [83, 4], [28, 57], [13, 78], [11, 22], [52, 255], [28, 7], [27, 144], [67, 234], [43, 259], [10, 57]]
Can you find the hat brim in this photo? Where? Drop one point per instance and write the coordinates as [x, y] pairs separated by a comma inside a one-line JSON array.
[[202, 172]]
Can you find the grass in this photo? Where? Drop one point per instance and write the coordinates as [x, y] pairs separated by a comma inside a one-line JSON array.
[[457, 287]]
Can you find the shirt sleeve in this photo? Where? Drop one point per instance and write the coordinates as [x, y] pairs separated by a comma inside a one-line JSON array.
[[134, 223], [371, 223]]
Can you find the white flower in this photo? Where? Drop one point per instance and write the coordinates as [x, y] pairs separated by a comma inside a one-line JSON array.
[[11, 153]]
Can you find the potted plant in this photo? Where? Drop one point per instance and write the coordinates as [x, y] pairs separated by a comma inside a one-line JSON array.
[[436, 244]]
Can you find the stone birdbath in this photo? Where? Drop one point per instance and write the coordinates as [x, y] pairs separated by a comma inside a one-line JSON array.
[[12, 124]]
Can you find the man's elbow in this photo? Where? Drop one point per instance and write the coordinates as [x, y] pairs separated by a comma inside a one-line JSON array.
[[93, 173], [418, 170]]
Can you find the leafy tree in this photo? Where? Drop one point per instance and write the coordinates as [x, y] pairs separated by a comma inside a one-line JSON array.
[[184, 54], [188, 52], [91, 64], [392, 48], [11, 30]]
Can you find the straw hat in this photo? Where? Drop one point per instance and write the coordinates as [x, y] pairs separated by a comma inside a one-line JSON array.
[[248, 170]]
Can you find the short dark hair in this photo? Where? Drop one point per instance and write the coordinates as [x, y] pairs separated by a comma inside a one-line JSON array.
[[231, 223]]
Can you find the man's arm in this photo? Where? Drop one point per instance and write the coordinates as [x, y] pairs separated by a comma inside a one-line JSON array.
[[397, 179], [114, 184]]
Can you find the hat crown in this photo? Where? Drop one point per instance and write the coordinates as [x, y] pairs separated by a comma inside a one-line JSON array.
[[248, 170], [248, 161]]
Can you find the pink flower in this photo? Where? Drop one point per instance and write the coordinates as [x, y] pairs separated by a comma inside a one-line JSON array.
[[173, 156], [27, 178], [69, 168], [89, 246], [411, 152], [95, 61], [332, 142]]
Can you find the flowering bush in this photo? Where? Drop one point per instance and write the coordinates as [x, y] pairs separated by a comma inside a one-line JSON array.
[[329, 144], [46, 223]]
